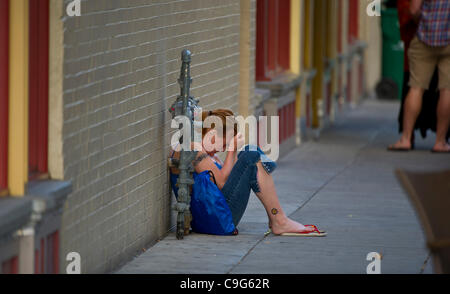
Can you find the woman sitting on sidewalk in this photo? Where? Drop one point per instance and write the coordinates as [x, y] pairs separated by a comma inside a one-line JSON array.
[[241, 173]]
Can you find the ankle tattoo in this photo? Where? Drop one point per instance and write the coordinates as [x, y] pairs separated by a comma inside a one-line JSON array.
[[274, 211]]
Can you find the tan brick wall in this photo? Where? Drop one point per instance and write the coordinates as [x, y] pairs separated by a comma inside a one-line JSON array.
[[254, 103], [121, 65]]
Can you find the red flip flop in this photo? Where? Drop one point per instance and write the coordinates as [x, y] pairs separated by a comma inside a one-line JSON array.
[[313, 226], [315, 233]]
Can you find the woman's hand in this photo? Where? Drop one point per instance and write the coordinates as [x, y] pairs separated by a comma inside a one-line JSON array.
[[237, 143]]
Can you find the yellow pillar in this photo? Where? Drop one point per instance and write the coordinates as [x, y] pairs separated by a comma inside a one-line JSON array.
[[244, 61], [344, 50], [308, 29], [244, 58], [295, 37], [55, 114], [18, 98], [296, 19]]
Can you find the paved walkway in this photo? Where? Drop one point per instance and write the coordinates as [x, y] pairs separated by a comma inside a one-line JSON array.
[[345, 184]]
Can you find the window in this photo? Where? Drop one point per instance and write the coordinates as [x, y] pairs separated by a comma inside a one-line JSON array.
[[272, 38], [4, 68], [287, 121], [38, 88]]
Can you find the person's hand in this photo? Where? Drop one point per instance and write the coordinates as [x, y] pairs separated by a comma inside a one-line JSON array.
[[237, 142]]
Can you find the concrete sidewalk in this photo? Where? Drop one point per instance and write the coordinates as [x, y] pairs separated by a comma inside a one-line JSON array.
[[345, 184]]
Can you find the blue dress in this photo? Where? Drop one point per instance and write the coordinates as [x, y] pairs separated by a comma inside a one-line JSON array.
[[174, 177]]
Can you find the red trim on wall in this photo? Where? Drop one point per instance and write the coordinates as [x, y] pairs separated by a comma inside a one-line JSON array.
[[287, 121], [55, 253], [353, 21], [284, 31], [11, 266], [272, 38], [42, 257], [4, 92], [38, 87], [261, 32], [47, 255], [37, 267], [339, 38]]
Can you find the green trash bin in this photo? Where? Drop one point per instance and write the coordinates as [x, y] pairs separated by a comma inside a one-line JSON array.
[[391, 84]]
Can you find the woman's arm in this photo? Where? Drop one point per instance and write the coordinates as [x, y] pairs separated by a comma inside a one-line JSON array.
[[203, 162]]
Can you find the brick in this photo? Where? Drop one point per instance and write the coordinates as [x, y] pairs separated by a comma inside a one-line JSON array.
[[121, 65]]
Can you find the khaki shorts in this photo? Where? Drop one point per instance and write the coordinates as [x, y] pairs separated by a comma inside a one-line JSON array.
[[423, 60]]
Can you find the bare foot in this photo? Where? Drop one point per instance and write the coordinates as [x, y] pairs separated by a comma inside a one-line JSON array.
[[288, 226], [441, 147], [401, 144]]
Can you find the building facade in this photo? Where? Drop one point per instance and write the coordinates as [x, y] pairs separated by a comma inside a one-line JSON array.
[[84, 121]]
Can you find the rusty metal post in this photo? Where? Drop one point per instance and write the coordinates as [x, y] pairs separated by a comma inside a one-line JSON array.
[[185, 105]]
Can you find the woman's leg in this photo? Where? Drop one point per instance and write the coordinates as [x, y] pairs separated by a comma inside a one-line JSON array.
[[240, 182], [278, 221], [249, 173]]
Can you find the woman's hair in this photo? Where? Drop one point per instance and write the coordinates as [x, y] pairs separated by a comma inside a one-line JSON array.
[[222, 114]]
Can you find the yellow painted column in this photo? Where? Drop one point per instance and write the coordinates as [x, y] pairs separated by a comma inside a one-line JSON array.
[[295, 37], [295, 58], [308, 29], [245, 61], [18, 98], [244, 57], [345, 49], [55, 114]]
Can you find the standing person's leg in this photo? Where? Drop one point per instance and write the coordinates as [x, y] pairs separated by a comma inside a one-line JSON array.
[[422, 62], [412, 107], [443, 122], [443, 109]]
